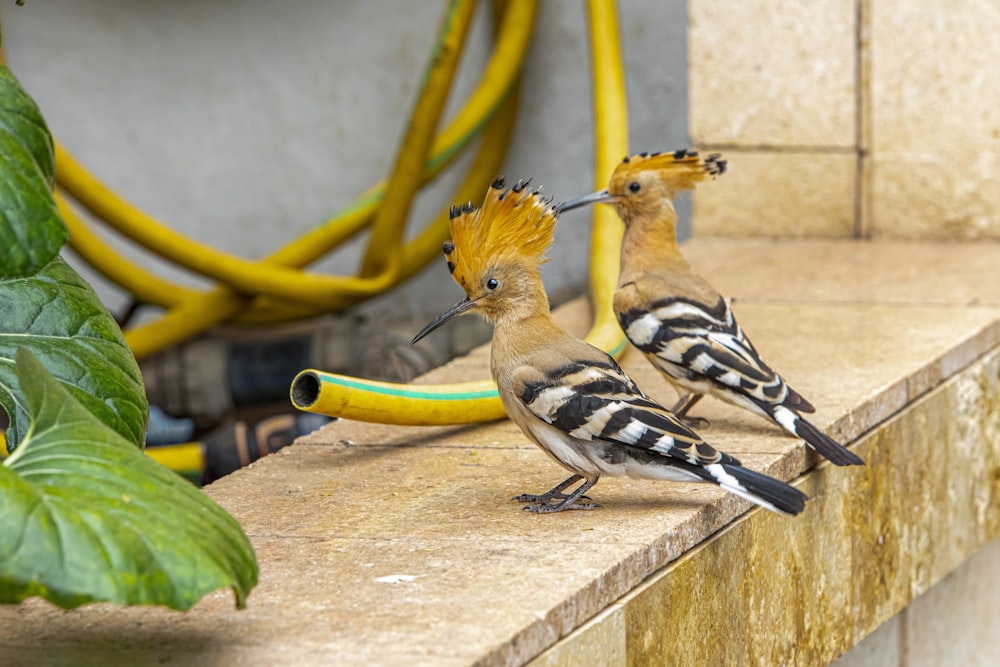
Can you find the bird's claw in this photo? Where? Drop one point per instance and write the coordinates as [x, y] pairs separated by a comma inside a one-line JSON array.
[[546, 509], [695, 422]]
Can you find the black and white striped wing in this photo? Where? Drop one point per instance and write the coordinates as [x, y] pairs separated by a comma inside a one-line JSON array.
[[704, 342], [599, 402], [695, 344]]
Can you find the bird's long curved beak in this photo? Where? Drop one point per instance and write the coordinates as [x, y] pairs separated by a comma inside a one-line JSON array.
[[460, 308], [599, 197]]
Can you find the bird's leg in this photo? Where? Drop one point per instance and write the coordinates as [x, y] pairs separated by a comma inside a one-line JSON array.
[[555, 494], [570, 501], [686, 402], [682, 406]]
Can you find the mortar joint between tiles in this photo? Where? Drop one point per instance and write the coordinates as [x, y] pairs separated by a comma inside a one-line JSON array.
[[773, 148]]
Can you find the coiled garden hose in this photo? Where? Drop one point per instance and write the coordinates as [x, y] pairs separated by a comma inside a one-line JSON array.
[[471, 402], [257, 278], [186, 318], [282, 291]]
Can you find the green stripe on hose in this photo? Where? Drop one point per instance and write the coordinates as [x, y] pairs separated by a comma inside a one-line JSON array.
[[411, 393]]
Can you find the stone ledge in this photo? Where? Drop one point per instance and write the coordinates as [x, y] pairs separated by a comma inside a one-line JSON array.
[[901, 360], [868, 544]]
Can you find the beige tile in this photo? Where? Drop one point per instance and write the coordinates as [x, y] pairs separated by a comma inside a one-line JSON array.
[[955, 622], [870, 540], [766, 74], [779, 194], [847, 271], [600, 641], [934, 76], [934, 195], [934, 170], [879, 649]]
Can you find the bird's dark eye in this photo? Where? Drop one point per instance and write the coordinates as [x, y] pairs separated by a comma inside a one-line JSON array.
[[492, 284], [634, 186]]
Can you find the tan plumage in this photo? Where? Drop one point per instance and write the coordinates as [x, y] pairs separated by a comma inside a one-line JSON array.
[[675, 317], [568, 397]]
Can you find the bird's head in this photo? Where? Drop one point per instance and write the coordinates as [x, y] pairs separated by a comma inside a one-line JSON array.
[[646, 183], [495, 251]]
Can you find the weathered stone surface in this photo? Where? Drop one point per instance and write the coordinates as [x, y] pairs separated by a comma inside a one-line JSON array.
[[353, 504], [896, 99], [880, 648], [934, 168], [760, 77], [779, 195], [766, 591], [847, 272], [600, 641], [955, 622]]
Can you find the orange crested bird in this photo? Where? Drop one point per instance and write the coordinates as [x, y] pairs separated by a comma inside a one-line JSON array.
[[570, 398], [675, 317]]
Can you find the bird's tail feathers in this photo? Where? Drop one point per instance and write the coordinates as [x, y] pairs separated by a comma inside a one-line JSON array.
[[797, 402], [759, 489], [826, 446]]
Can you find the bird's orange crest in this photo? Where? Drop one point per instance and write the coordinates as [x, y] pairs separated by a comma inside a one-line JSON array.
[[513, 226], [682, 169]]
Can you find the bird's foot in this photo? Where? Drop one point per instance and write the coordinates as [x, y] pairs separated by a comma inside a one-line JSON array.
[[542, 504], [559, 507], [681, 407], [555, 493], [694, 422]]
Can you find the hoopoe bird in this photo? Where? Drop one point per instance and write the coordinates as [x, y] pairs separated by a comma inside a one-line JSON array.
[[675, 317], [568, 397]]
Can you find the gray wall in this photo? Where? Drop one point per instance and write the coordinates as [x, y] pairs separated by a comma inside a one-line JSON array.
[[243, 123]]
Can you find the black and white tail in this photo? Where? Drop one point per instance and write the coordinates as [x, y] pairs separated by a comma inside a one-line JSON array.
[[758, 488], [826, 446]]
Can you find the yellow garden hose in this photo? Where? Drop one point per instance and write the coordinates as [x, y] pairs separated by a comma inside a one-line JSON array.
[[186, 459], [388, 403], [426, 246], [193, 311], [384, 255], [184, 319], [256, 278], [144, 285], [610, 146], [471, 402]]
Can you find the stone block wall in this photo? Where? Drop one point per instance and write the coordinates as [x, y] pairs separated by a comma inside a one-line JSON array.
[[848, 118]]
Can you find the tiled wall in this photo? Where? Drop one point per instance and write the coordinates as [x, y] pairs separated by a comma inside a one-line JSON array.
[[841, 118]]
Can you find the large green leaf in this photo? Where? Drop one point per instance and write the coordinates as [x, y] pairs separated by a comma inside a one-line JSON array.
[[57, 316], [85, 516], [20, 116], [31, 231]]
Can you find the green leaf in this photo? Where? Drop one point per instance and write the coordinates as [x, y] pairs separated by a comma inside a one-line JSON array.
[[31, 231], [20, 115], [86, 517], [57, 316]]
